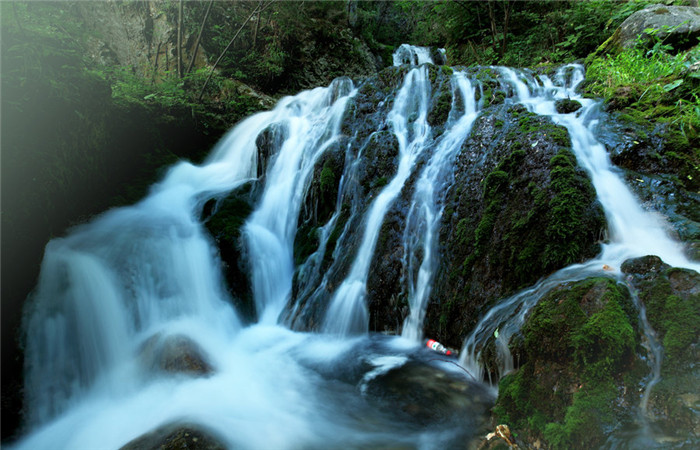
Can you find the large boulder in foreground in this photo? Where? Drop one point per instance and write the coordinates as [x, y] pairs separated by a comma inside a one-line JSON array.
[[678, 26], [176, 436], [578, 348], [672, 300], [586, 362]]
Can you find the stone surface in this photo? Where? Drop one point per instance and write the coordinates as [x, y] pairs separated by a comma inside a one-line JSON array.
[[678, 26], [175, 354], [176, 437]]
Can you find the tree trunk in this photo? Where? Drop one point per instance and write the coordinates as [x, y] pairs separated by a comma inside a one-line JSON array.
[[258, 8], [179, 39], [199, 37]]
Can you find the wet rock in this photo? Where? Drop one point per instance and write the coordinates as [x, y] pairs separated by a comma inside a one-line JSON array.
[[580, 371], [425, 395], [566, 106], [645, 266], [519, 208], [224, 221], [660, 168], [175, 354], [176, 437], [672, 300]]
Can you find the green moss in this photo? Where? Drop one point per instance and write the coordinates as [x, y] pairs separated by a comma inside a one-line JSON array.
[[305, 243], [577, 340], [682, 327], [588, 413], [567, 212], [226, 223], [380, 182], [441, 107], [675, 318]]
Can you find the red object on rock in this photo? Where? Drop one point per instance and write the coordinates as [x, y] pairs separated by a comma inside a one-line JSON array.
[[435, 346]]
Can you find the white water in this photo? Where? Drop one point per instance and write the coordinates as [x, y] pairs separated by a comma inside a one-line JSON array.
[[312, 126], [151, 269], [633, 231], [347, 313], [425, 215], [412, 55]]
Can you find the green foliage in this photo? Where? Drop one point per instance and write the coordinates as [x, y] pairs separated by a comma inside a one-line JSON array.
[[517, 33], [652, 86]]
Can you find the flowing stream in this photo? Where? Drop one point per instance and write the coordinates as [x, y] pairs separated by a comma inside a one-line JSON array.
[[633, 232], [151, 271]]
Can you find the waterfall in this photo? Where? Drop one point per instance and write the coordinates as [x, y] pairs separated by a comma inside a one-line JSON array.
[[633, 231], [311, 127], [412, 54], [150, 271], [347, 313], [423, 221]]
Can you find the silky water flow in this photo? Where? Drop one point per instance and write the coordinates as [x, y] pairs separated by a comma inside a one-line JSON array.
[[150, 271]]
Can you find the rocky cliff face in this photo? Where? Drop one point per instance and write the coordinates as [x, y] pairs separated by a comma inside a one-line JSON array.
[[515, 181], [140, 35]]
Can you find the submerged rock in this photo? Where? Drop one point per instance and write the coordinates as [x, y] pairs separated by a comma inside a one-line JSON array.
[[176, 437], [420, 393], [175, 354]]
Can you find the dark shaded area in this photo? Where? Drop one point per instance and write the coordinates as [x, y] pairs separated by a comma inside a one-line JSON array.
[[70, 152]]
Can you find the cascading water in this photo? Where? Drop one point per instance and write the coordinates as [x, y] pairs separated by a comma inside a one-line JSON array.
[[426, 210], [151, 270], [313, 126], [412, 54], [140, 274], [633, 231], [348, 313]]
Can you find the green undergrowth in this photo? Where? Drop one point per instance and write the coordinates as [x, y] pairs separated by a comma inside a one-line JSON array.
[[650, 87], [578, 343]]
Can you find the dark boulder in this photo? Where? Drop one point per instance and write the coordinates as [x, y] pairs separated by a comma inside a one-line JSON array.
[[425, 395], [566, 106], [224, 219], [176, 437]]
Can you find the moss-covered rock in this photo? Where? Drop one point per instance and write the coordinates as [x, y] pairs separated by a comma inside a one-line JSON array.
[[566, 106], [520, 208], [579, 343], [224, 219], [672, 300]]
